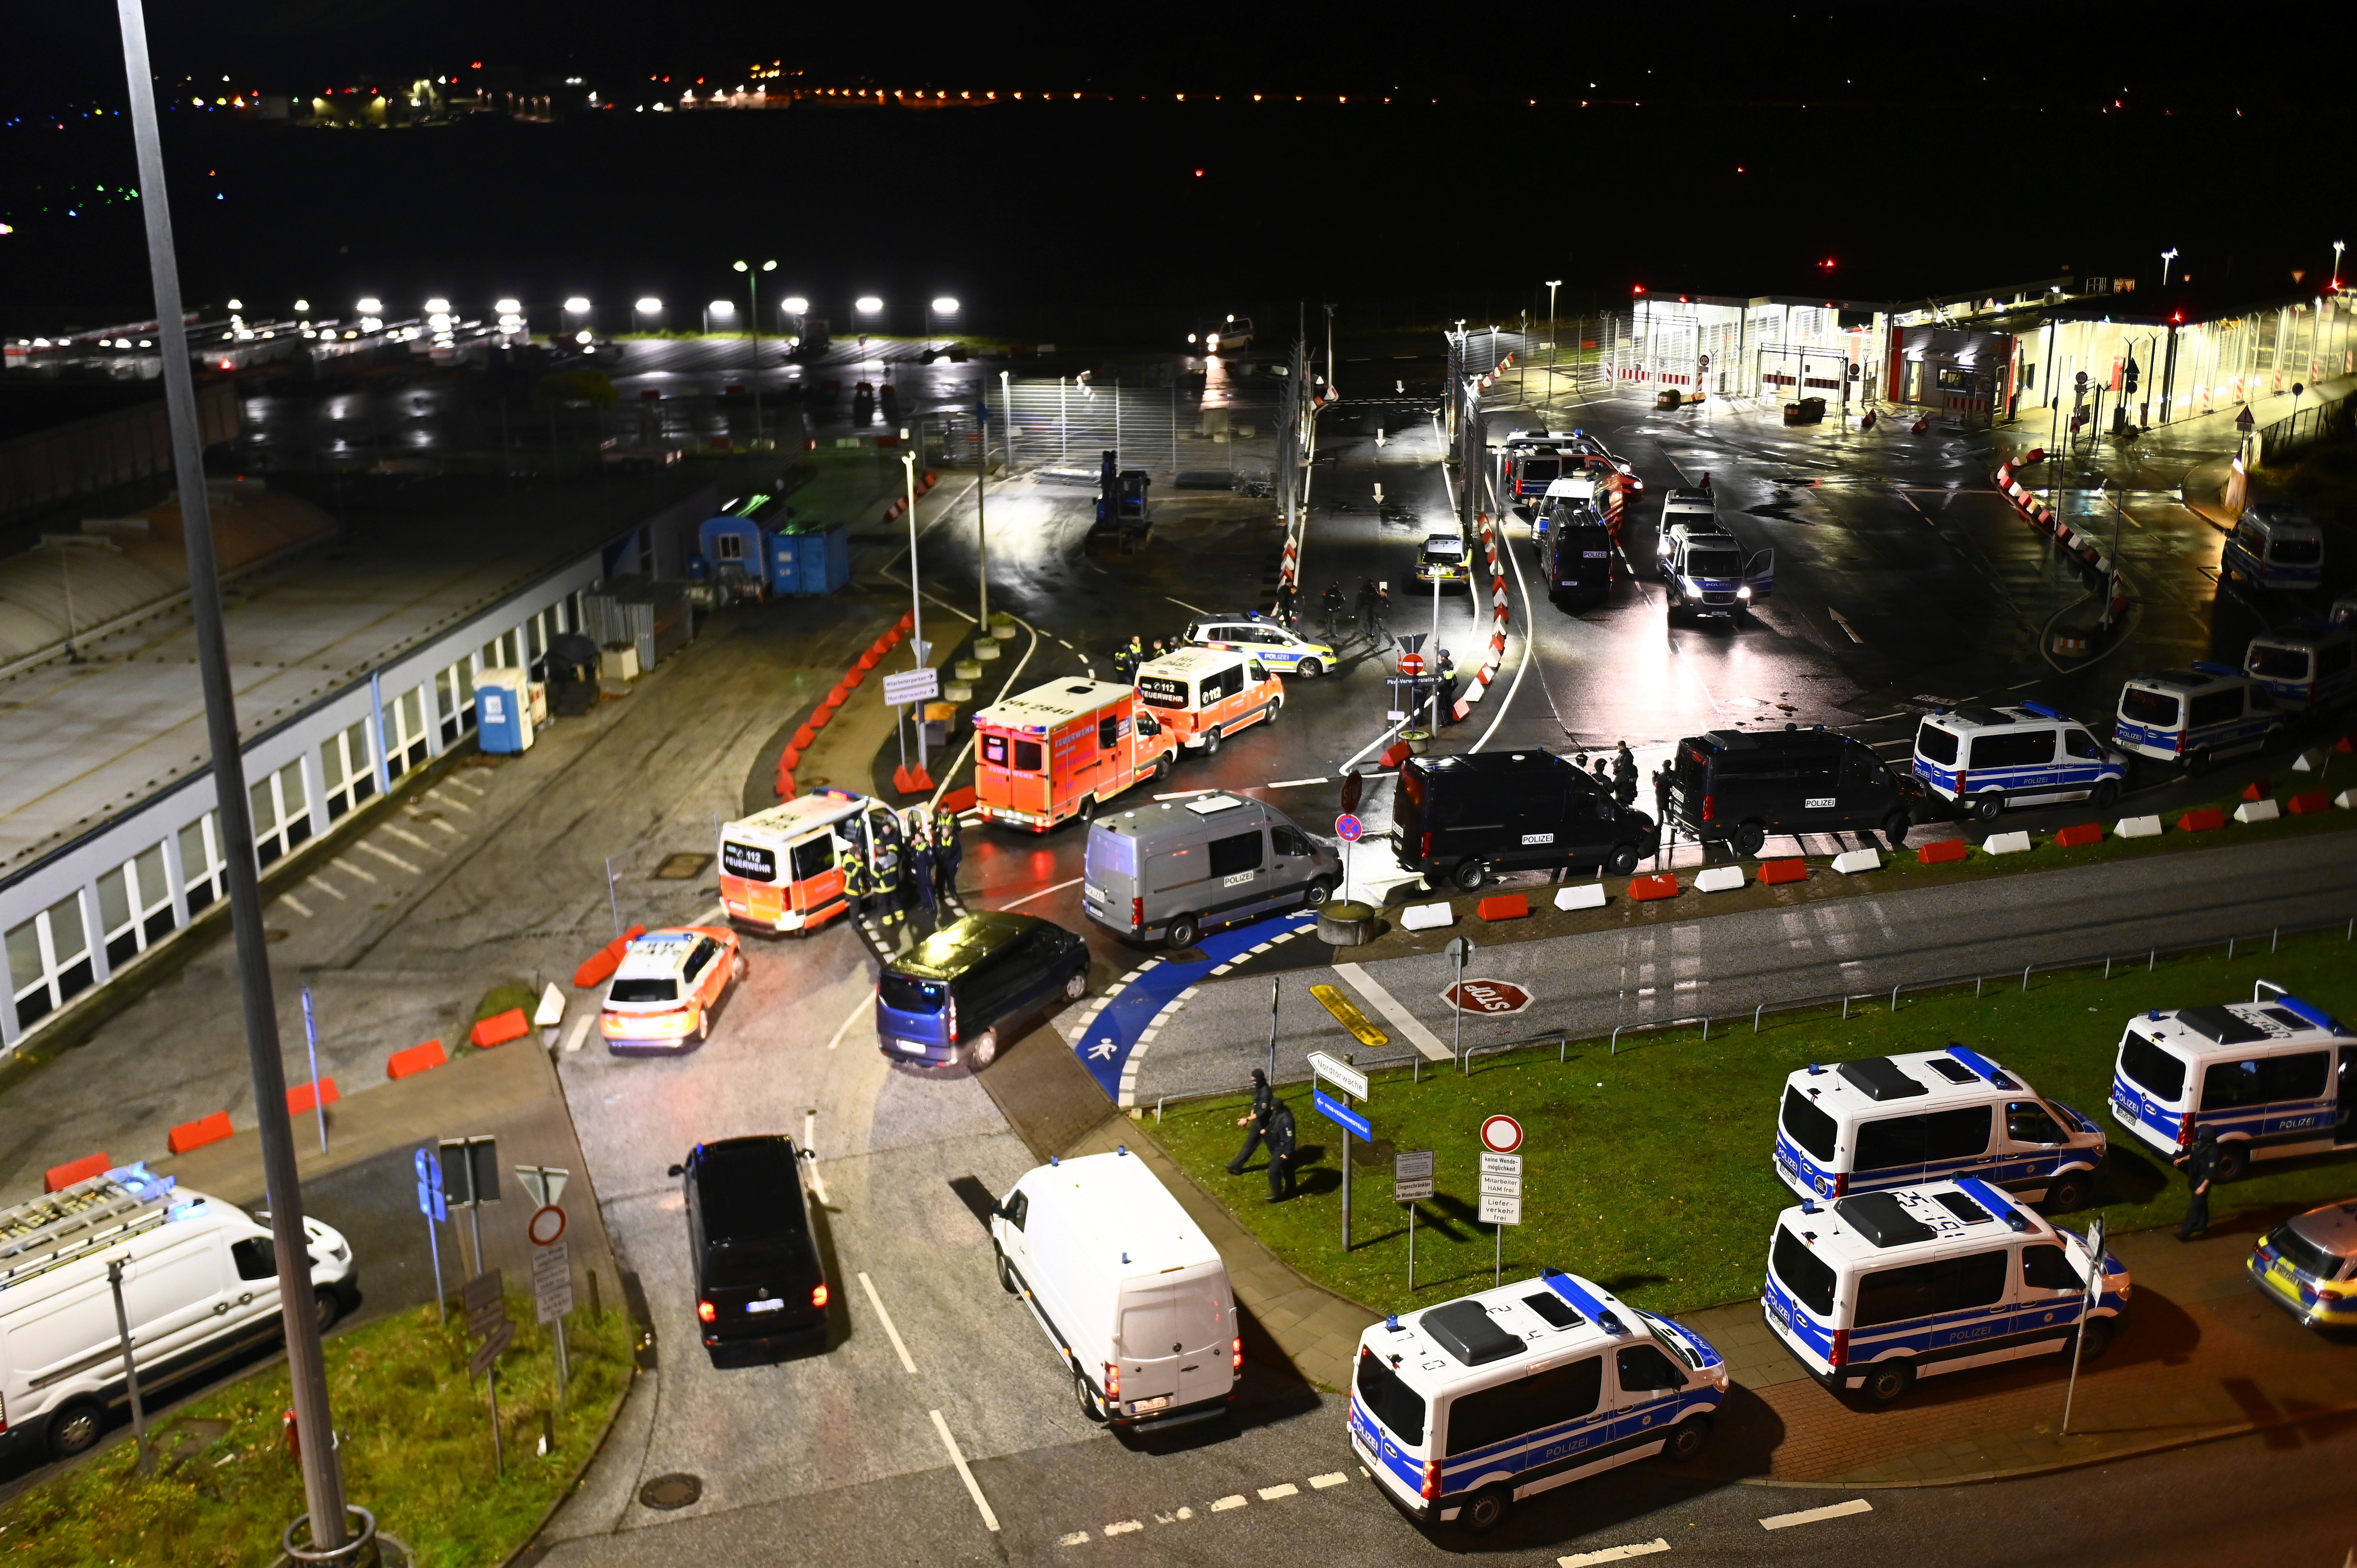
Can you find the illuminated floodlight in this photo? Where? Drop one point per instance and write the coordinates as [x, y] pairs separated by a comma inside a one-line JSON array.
[[868, 305], [510, 308], [796, 304], [578, 305], [435, 307], [584, 335], [649, 306], [722, 308], [370, 306], [301, 305], [945, 306], [237, 305]]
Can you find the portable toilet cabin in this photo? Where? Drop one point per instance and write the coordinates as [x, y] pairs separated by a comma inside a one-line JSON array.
[[810, 558], [503, 710]]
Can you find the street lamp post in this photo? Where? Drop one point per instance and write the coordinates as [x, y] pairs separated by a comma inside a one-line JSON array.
[[1554, 348], [942, 306], [753, 319], [2338, 245], [577, 307], [323, 1485], [2166, 257], [797, 308], [646, 306]]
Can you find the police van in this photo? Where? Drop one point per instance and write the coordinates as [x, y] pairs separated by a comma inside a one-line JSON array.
[[2195, 715], [1924, 1116], [2270, 1079], [1873, 1292], [1706, 569], [1265, 638], [2311, 664], [2275, 546], [1985, 759], [1463, 1409]]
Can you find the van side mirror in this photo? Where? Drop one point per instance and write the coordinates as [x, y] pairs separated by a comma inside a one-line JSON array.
[[678, 1170], [806, 1155]]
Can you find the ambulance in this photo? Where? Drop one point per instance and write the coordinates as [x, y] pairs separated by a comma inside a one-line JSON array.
[[782, 870], [1062, 750], [1201, 696]]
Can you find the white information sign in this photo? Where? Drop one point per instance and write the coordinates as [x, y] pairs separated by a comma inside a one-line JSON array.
[[912, 686], [1338, 1073], [1501, 1189], [552, 1280]]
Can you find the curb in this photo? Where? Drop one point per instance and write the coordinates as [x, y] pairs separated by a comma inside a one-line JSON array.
[[2162, 1446], [573, 1482]]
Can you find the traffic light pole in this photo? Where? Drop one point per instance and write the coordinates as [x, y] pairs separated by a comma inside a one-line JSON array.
[[323, 1489]]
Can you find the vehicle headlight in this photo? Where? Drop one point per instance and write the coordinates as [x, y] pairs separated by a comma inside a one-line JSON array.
[[1744, 591]]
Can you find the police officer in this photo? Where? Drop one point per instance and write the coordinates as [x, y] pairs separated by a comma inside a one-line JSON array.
[[1624, 775], [947, 853], [1285, 600], [856, 880], [884, 862], [1367, 606], [2200, 1162], [1254, 1122], [1446, 674], [1280, 1152], [1332, 605], [924, 869], [1661, 794]]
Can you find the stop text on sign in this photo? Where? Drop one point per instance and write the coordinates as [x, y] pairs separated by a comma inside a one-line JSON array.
[[1488, 998]]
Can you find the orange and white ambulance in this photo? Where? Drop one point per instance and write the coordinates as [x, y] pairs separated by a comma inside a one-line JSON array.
[[781, 869], [1063, 749], [1202, 695]]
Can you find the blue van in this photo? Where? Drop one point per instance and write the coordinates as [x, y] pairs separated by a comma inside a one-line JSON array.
[[2310, 664], [951, 998], [2275, 546], [2195, 717]]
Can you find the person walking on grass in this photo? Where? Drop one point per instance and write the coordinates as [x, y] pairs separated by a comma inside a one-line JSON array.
[[1282, 1139], [1255, 1122]]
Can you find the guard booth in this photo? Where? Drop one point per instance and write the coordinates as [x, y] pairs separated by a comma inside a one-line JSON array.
[[1966, 375]]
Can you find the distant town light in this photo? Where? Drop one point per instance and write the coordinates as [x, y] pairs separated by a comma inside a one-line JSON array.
[[237, 305], [371, 306], [302, 304]]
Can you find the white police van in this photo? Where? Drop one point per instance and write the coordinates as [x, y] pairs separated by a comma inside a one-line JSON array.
[[1466, 1407], [1704, 567], [1873, 1292], [1985, 759], [2270, 1079], [2195, 715], [2275, 546], [1924, 1116], [1265, 638], [2310, 664]]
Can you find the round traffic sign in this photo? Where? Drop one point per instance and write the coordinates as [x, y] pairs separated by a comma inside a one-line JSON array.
[[1501, 1134], [1487, 998], [1349, 827], [546, 1226]]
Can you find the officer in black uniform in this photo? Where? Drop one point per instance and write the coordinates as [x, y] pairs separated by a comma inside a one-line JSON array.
[[2200, 1162], [1281, 1141], [1624, 775], [1254, 1122]]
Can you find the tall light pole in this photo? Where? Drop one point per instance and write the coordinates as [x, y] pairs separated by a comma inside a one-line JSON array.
[[942, 305], [577, 308], [1554, 348], [2337, 247], [2166, 257], [753, 318], [797, 308], [323, 1482], [646, 306]]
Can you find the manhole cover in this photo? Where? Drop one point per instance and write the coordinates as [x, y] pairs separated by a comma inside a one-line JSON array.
[[671, 1491], [684, 867]]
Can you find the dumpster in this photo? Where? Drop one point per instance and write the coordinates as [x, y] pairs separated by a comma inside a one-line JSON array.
[[1808, 411], [811, 558]]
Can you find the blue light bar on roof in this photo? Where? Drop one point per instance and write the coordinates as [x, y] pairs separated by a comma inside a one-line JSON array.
[[1983, 1066], [2315, 1017], [1578, 1294], [2041, 710], [1995, 1201], [2211, 667]]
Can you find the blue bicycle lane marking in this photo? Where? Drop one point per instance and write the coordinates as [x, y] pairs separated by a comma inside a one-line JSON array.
[[1105, 1048]]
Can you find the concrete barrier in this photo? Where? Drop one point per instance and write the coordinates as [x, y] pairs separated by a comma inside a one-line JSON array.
[[1944, 851], [196, 1134], [2079, 834], [420, 1057], [2006, 843], [59, 1177], [2310, 761], [1719, 879], [1642, 888], [1504, 906], [499, 1028], [2307, 802], [305, 1098], [2201, 819], [2257, 812], [1852, 861], [2136, 828], [2258, 788], [1791, 868], [2346, 799], [1426, 916], [1587, 896], [599, 966]]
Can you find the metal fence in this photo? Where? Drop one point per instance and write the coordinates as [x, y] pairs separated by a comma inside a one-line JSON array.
[[1221, 434], [2304, 427]]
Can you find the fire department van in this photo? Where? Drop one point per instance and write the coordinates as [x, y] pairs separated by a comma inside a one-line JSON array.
[[781, 869], [1201, 696], [1062, 750]]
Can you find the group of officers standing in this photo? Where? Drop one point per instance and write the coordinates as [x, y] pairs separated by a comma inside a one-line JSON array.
[[898, 863]]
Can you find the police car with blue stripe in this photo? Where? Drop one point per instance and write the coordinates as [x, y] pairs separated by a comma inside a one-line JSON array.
[[2195, 715], [1898, 1121], [2270, 1078], [1704, 567], [1985, 759], [2307, 665], [1462, 1408], [1275, 644], [1874, 1290], [2275, 546]]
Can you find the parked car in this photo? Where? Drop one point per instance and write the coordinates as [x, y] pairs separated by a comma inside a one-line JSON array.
[[2307, 1265], [760, 1285], [953, 996]]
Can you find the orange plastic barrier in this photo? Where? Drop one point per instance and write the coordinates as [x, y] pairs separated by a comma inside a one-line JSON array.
[[1399, 751], [867, 659], [2202, 820], [500, 1027], [2078, 834], [59, 1177], [1504, 906], [804, 736], [2258, 788], [600, 965], [958, 800], [1941, 852], [415, 1059], [2307, 802], [304, 1097], [1643, 888], [785, 785], [196, 1134], [908, 618], [826, 715], [1791, 869], [853, 677]]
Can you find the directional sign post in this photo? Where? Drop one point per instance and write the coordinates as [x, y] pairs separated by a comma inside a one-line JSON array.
[[1460, 953], [2095, 1239], [435, 1207], [1411, 1180], [1348, 829], [485, 1301], [1502, 1202], [1346, 1079]]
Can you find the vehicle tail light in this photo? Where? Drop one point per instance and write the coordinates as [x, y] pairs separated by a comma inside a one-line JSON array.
[[2178, 745], [1431, 1487], [1236, 1354], [706, 1311], [1839, 1355], [1112, 1381], [1138, 913], [1710, 808], [3, 1415], [2185, 1131], [2327, 1293], [1963, 779], [1841, 1184], [953, 1020], [1427, 851], [819, 1293]]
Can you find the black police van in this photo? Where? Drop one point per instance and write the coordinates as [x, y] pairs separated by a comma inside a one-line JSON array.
[[1735, 787], [760, 1286], [1462, 820], [1576, 552]]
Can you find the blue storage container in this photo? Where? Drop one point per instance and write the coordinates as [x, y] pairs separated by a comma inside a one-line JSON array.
[[811, 558]]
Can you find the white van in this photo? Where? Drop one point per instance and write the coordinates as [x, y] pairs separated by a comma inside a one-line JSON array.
[[1986, 759], [1490, 1397], [1130, 1292], [1884, 1288], [1924, 1116], [199, 1285], [2271, 1078]]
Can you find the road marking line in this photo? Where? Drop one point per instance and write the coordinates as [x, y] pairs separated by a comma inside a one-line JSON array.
[[1232, 1500], [329, 888], [386, 856], [862, 1005], [1810, 1516], [1292, 783], [340, 863], [972, 1488], [1059, 888], [1185, 794], [454, 805], [579, 1032], [443, 827], [1078, 1537], [405, 836], [1282, 1489], [1843, 621], [1124, 1528], [469, 789], [1334, 1479], [891, 1332], [1614, 1553], [295, 904], [1422, 1038]]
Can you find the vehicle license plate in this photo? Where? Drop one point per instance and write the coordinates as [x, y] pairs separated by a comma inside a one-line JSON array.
[[1094, 894], [1160, 1401], [764, 1306], [914, 1047]]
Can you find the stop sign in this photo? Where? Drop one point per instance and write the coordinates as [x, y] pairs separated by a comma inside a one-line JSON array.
[[1486, 998]]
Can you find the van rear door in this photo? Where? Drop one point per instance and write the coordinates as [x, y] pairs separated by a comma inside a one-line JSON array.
[[1175, 1339]]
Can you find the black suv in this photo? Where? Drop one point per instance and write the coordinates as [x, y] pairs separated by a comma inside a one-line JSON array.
[[1462, 820], [1735, 787], [760, 1286]]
